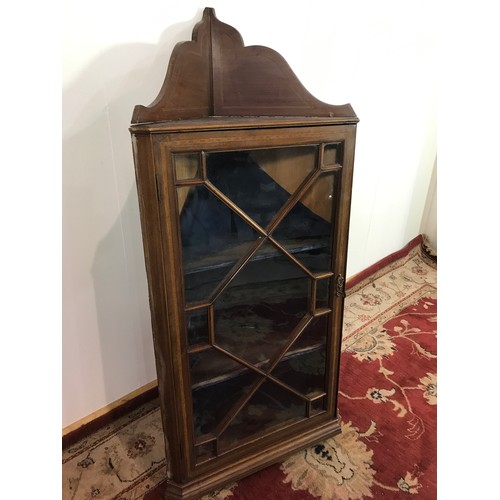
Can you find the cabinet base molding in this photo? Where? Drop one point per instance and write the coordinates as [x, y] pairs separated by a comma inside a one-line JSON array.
[[211, 481]]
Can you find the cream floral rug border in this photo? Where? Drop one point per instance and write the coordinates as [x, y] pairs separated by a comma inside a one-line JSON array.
[[372, 301]]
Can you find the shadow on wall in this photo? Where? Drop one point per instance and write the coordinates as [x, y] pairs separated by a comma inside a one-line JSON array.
[[103, 260]]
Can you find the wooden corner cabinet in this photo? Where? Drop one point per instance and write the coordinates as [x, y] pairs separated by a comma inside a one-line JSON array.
[[244, 183]]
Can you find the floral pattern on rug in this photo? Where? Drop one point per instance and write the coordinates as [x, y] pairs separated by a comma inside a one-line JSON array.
[[387, 403], [399, 284], [122, 461], [388, 385], [341, 466]]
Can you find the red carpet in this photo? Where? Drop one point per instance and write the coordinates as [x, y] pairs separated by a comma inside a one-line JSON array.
[[387, 402]]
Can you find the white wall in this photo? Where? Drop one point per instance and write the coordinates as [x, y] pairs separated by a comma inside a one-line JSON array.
[[429, 219], [379, 56]]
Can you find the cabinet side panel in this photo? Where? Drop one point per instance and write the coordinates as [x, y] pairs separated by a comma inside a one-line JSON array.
[[153, 255], [176, 344]]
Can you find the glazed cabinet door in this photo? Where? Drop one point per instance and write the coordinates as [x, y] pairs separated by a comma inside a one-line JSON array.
[[258, 221]]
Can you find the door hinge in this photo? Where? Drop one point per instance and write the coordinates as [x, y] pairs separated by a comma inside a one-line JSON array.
[[340, 286]]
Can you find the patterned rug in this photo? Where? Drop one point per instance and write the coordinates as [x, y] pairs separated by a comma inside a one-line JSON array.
[[387, 403]]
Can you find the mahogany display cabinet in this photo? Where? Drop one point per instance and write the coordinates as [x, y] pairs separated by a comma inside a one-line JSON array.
[[244, 184]]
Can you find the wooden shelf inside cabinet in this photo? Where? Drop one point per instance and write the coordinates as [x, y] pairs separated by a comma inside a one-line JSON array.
[[244, 182]]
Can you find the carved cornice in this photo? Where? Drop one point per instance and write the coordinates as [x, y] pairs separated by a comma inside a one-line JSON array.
[[214, 74]]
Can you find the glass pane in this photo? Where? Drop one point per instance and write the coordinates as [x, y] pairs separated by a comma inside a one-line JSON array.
[[187, 166], [205, 451], [313, 336], [318, 406], [259, 309], [214, 397], [260, 181], [213, 239], [212, 366], [322, 292], [332, 154], [270, 407], [304, 371], [306, 231], [197, 327]]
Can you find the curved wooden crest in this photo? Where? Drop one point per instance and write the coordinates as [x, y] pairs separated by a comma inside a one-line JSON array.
[[216, 75]]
